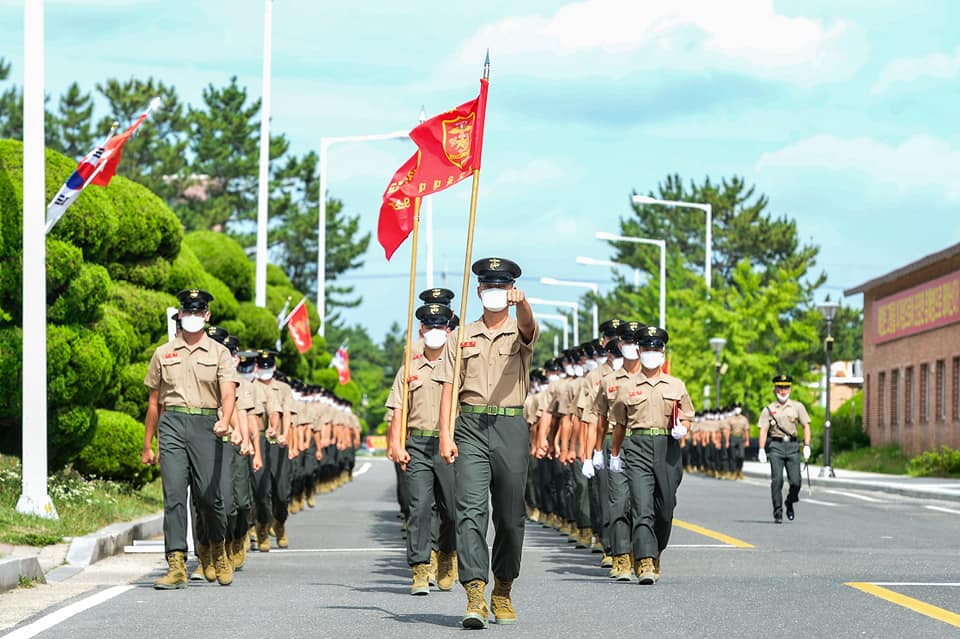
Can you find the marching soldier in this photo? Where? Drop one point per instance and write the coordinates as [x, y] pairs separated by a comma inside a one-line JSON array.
[[429, 479], [491, 442], [779, 420], [192, 380], [268, 409], [739, 440], [652, 410]]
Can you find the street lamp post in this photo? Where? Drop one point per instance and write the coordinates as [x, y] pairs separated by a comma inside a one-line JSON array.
[[325, 144], [589, 261], [610, 237], [717, 343], [706, 208], [566, 327], [534, 301], [550, 281], [829, 311]]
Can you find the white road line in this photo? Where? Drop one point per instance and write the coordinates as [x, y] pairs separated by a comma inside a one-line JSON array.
[[49, 621], [335, 550], [363, 468], [915, 583], [944, 510], [807, 500], [856, 496]]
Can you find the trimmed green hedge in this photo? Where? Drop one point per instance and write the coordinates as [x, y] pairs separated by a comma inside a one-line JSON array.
[[114, 451], [224, 259]]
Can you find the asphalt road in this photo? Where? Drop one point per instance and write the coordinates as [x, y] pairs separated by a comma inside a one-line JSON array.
[[738, 575]]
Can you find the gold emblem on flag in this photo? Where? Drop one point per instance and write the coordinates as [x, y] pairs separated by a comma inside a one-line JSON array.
[[458, 138]]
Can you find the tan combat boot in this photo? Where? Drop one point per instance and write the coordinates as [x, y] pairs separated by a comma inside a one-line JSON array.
[[176, 576], [500, 604], [622, 568], [198, 573], [645, 571], [421, 580], [585, 538], [294, 506], [239, 553], [434, 566], [263, 538], [281, 533], [311, 502], [222, 563], [656, 569], [446, 570], [205, 553], [477, 612], [606, 561]]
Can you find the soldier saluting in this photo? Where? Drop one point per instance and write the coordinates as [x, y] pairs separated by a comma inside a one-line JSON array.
[[779, 420]]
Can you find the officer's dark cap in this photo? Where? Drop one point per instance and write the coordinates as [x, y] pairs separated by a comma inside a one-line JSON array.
[[454, 322], [434, 315], [266, 359], [437, 296], [613, 347], [783, 380], [496, 270], [194, 299], [630, 331], [232, 342], [217, 333], [609, 328], [652, 336], [248, 360], [553, 365]]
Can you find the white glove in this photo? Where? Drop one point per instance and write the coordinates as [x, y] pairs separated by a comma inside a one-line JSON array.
[[806, 453], [616, 464], [588, 470], [678, 431], [598, 459], [762, 456]]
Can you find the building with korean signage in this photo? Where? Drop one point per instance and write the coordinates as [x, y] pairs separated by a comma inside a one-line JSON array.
[[911, 354]]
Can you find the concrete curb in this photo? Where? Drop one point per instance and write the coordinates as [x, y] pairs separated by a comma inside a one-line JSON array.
[[864, 484], [12, 568], [109, 541]]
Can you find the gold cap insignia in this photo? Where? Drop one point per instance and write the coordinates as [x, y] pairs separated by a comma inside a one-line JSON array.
[[494, 263]]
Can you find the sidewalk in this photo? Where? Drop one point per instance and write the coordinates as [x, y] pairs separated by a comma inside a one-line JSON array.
[[920, 487]]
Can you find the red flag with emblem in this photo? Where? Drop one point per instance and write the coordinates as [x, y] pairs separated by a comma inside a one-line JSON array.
[[451, 146], [299, 326], [341, 362], [397, 210]]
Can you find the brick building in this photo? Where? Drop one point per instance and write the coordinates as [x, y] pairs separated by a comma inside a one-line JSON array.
[[911, 354]]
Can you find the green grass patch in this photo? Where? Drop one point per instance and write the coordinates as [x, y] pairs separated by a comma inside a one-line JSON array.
[[883, 459], [84, 505]]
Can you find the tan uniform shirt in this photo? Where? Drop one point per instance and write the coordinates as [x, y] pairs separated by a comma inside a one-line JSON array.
[[637, 401], [588, 393], [303, 415], [739, 425], [244, 395], [782, 419], [190, 376], [530, 408], [600, 404], [423, 405], [496, 364]]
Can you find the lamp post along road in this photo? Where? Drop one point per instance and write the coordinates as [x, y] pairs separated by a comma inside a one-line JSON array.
[[325, 144], [706, 208], [534, 301], [662, 244], [550, 281], [829, 311], [717, 343], [566, 326], [589, 261], [263, 183]]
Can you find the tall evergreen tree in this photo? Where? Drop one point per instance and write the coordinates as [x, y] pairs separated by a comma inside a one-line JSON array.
[[74, 119]]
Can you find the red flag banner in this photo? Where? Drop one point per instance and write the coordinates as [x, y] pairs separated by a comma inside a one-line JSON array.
[[114, 149], [397, 211], [341, 361], [299, 326], [451, 146]]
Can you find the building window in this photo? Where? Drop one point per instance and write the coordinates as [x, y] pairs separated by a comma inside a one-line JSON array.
[[895, 397], [941, 381], [881, 398], [955, 379], [865, 414], [908, 395], [924, 393]]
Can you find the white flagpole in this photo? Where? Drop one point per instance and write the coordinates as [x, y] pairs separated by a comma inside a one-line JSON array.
[[263, 183], [427, 210], [34, 499]]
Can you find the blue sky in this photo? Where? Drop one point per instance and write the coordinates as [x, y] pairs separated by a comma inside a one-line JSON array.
[[843, 113]]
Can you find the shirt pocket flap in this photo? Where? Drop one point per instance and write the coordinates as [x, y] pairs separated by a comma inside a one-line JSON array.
[[509, 348], [670, 399]]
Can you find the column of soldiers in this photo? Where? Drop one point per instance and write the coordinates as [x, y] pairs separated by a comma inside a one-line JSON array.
[[252, 445], [716, 442]]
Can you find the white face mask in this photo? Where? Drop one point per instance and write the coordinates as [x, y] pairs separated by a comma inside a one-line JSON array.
[[552, 377], [435, 338], [737, 411], [192, 323], [617, 363], [248, 376], [651, 359], [630, 351], [568, 369], [494, 299], [783, 398], [590, 364], [601, 360], [578, 370], [265, 374]]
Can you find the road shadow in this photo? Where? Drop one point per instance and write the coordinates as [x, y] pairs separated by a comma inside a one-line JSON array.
[[755, 521], [445, 621]]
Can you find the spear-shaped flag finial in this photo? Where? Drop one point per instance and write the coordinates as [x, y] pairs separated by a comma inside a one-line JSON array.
[[486, 66]]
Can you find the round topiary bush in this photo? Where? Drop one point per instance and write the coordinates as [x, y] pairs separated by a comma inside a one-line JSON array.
[[79, 365], [225, 259], [80, 302], [147, 306], [150, 273], [260, 326], [69, 429], [114, 451], [146, 225], [133, 393]]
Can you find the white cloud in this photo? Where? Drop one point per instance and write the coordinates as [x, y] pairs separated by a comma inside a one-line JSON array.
[[619, 38], [919, 163], [936, 66]]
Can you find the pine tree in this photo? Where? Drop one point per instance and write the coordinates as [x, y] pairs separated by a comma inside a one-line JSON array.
[[74, 122]]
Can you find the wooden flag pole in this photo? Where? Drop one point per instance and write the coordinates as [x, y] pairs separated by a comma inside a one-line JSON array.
[[467, 258], [407, 360]]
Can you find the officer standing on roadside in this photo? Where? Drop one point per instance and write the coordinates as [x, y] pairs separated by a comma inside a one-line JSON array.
[[191, 379], [779, 420], [491, 439]]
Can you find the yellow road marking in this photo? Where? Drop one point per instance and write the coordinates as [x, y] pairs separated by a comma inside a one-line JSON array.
[[915, 605], [706, 532]]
